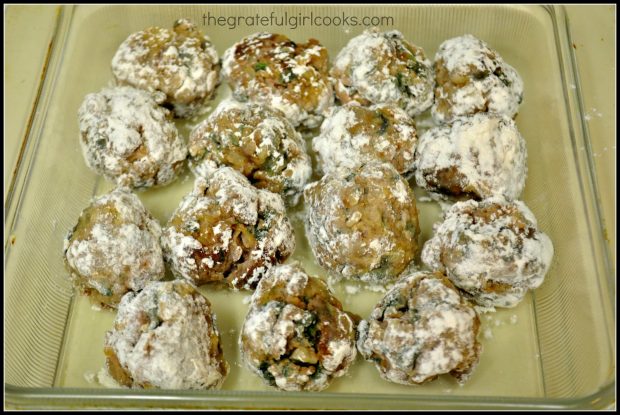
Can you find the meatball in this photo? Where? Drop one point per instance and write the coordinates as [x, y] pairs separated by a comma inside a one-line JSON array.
[[181, 63], [362, 223], [383, 68], [113, 248], [471, 77], [255, 140], [351, 134], [291, 77], [422, 328], [296, 335], [491, 249], [227, 231], [128, 138], [165, 337], [478, 156]]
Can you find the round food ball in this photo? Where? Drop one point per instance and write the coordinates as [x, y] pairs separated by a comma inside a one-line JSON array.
[[255, 140], [165, 337], [352, 134], [478, 156], [272, 69], [362, 223], [227, 231], [296, 335], [471, 77], [490, 249], [114, 248], [181, 63], [383, 68], [422, 328], [128, 138]]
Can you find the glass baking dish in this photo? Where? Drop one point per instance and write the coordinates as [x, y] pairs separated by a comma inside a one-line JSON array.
[[554, 350]]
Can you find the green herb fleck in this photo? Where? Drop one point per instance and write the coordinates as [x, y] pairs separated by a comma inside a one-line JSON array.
[[414, 65], [100, 143], [505, 80], [415, 315], [411, 227], [216, 140], [384, 265], [154, 318], [186, 56], [318, 371], [234, 139], [384, 124], [312, 333], [481, 74], [502, 77], [270, 164], [288, 76], [401, 83], [260, 66], [263, 224], [264, 368], [350, 177], [191, 226]]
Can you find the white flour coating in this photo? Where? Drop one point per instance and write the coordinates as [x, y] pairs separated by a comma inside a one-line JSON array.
[[371, 68], [260, 134], [486, 151], [422, 328], [182, 63], [227, 189], [178, 249], [484, 309], [334, 283], [308, 92], [103, 378], [478, 254], [479, 81], [168, 338], [351, 289], [120, 252], [276, 331], [354, 235], [338, 146], [126, 136], [106, 380], [234, 190]]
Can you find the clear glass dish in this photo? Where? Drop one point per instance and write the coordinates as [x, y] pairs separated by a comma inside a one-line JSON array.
[[555, 350]]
